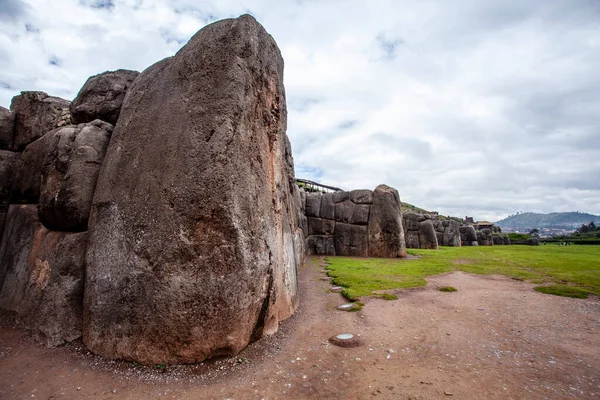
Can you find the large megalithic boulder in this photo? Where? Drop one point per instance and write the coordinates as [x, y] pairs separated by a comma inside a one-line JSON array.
[[194, 241], [385, 231], [36, 113], [69, 173], [101, 97], [7, 128]]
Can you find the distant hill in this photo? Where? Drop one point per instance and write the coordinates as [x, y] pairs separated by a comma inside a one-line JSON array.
[[564, 220]]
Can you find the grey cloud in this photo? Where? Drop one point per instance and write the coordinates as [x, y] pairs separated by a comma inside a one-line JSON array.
[[101, 4], [389, 47], [12, 10]]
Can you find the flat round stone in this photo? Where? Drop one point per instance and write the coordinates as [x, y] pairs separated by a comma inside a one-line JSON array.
[[345, 340], [348, 306], [336, 289], [344, 336]]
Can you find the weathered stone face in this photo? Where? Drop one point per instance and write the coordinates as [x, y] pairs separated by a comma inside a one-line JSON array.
[[410, 221], [28, 175], [451, 236], [412, 239], [427, 236], [485, 238], [194, 218], [69, 175], [386, 234], [344, 211], [468, 235], [327, 209], [350, 240], [8, 166], [319, 226], [7, 127], [313, 205], [35, 114], [340, 196], [41, 276], [101, 97], [22, 239], [361, 196], [54, 304], [320, 245], [360, 216]]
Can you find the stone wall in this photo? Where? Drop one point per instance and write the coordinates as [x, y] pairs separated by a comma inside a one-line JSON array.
[[171, 193], [361, 223]]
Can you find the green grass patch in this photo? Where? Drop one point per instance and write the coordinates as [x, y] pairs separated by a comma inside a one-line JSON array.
[[578, 266], [447, 289], [563, 290]]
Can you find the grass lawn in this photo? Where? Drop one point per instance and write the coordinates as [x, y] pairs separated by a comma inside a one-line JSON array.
[[570, 266]]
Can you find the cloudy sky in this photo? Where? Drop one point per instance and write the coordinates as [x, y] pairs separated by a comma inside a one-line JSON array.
[[469, 107]]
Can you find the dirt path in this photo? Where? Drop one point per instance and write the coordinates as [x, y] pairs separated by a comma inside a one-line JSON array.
[[495, 338]]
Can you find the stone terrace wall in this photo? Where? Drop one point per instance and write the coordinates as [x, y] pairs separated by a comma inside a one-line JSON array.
[[356, 223], [183, 223]]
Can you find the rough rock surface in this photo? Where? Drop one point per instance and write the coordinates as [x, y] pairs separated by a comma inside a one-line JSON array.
[[28, 176], [23, 237], [320, 245], [485, 238], [101, 97], [193, 231], [360, 216], [386, 234], [320, 226], [327, 209], [427, 236], [468, 236], [41, 275], [361, 196], [340, 196], [350, 240], [313, 204], [451, 233], [8, 166], [412, 239], [7, 126], [69, 175], [344, 211], [35, 114]]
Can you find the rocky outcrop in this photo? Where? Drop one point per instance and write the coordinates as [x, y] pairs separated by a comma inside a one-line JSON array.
[[8, 166], [35, 114], [41, 276], [7, 127], [427, 236], [336, 224], [69, 175], [448, 232], [351, 240], [22, 239], [420, 231], [385, 231], [468, 236], [194, 218], [358, 223], [320, 245], [101, 97], [28, 175], [485, 237]]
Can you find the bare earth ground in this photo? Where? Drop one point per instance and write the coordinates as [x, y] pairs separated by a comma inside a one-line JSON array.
[[495, 338]]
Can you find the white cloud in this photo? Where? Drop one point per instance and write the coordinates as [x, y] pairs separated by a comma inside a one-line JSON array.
[[467, 107]]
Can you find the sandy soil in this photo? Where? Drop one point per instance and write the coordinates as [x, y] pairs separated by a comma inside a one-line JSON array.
[[495, 338]]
